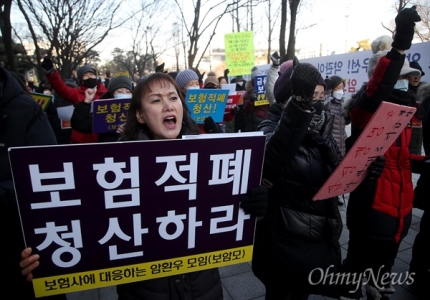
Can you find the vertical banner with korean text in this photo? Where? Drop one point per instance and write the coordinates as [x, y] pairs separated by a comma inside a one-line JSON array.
[[113, 213], [239, 52], [260, 89], [379, 134]]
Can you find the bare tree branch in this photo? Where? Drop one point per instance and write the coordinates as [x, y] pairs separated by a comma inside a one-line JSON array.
[[69, 29]]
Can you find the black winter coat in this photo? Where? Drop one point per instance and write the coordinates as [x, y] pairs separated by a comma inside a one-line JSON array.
[[422, 189], [297, 234], [22, 123], [200, 285]]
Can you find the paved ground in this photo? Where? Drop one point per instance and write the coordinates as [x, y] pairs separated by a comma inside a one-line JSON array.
[[239, 282]]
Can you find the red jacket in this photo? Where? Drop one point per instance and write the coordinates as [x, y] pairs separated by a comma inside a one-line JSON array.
[[383, 210], [75, 95]]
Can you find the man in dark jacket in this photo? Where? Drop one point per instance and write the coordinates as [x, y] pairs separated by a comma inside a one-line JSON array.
[[87, 78], [22, 123], [417, 130], [298, 235], [379, 209], [420, 261]]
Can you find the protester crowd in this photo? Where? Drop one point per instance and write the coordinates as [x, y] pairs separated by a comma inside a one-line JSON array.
[[304, 123]]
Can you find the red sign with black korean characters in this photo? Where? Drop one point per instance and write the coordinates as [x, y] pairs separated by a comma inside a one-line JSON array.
[[113, 213], [380, 133]]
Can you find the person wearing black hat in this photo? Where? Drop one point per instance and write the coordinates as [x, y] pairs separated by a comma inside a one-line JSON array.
[[297, 234], [87, 78], [415, 81], [417, 131], [119, 87], [420, 260]]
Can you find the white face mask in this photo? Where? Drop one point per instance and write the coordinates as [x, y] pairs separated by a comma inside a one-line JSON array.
[[338, 94], [402, 84], [122, 96], [194, 87]]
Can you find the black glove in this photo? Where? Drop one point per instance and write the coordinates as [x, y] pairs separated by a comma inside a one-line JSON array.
[[48, 65], [210, 126], [160, 68], [276, 59], [201, 77], [226, 71], [405, 28], [376, 167], [255, 201]]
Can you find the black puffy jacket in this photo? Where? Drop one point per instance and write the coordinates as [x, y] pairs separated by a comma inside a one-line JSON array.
[[297, 234], [23, 123]]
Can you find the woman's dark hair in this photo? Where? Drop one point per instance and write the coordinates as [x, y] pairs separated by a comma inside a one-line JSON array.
[[132, 126], [333, 82]]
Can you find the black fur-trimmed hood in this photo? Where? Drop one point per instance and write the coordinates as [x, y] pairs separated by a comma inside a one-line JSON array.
[[423, 92]]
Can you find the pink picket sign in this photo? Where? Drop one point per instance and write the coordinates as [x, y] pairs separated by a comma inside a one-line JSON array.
[[379, 134]]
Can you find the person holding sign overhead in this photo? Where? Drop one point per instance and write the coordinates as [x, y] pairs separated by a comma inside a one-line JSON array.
[[379, 210], [297, 234], [87, 79], [119, 87]]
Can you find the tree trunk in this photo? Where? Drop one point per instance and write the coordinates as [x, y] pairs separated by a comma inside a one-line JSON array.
[[291, 50], [6, 31], [269, 38], [283, 28]]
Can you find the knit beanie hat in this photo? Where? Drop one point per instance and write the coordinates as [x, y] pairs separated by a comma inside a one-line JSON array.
[[255, 72], [285, 65], [120, 82], [381, 43], [373, 61], [304, 79], [406, 69], [211, 79], [185, 76], [82, 70], [282, 89]]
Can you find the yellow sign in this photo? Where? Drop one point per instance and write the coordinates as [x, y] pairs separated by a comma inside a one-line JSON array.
[[156, 269], [125, 73], [239, 52], [42, 99], [261, 100]]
